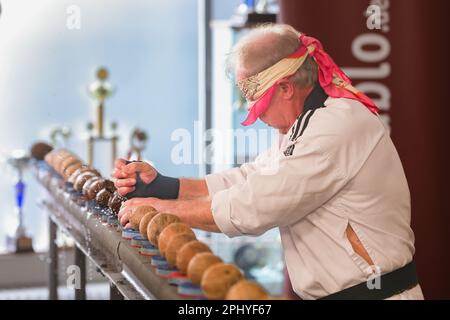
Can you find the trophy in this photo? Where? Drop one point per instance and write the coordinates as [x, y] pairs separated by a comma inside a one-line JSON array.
[[100, 90], [20, 242], [138, 141], [254, 12], [59, 136]]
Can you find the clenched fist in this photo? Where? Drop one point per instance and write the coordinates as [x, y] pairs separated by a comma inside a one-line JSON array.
[[125, 175]]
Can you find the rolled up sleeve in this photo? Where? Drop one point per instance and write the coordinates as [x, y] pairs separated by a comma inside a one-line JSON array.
[[266, 199], [228, 178], [224, 180], [222, 214]]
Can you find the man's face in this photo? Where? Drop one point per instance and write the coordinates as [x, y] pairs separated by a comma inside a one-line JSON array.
[[274, 116], [278, 114]]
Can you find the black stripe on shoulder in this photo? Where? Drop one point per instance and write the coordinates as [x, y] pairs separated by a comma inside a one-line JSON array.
[[290, 150], [299, 124], [306, 123], [293, 129]]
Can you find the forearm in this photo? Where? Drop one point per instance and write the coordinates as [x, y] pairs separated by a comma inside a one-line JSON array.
[[192, 189], [195, 212]]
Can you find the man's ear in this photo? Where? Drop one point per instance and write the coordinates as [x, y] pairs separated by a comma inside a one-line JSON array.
[[286, 88]]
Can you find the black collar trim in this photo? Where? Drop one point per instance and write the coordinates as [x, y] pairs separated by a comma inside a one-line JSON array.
[[316, 99]]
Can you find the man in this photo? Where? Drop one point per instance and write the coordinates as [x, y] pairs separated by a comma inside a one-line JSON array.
[[333, 183]]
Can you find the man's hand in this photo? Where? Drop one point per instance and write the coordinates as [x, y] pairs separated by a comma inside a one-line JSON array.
[[125, 175], [128, 206], [196, 213]]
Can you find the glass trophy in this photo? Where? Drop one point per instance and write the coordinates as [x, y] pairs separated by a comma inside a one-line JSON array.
[[253, 12], [19, 242]]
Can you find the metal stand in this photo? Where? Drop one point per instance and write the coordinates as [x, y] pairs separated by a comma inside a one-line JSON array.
[[130, 275], [80, 261], [114, 293], [53, 265]]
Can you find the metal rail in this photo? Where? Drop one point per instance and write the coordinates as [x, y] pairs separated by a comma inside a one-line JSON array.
[[130, 274]]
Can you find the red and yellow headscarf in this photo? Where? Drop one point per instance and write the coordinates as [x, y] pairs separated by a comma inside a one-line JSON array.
[[260, 88]]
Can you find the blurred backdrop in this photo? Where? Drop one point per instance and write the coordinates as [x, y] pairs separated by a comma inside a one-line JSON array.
[[150, 48]]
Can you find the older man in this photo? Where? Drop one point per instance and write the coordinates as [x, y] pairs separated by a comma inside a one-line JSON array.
[[333, 183]]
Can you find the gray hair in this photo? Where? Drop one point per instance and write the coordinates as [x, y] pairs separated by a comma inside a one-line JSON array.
[[264, 46]]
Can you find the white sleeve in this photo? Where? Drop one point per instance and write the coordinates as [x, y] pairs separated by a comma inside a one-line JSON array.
[[298, 185], [228, 178]]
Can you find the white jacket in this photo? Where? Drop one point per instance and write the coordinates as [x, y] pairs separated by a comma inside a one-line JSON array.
[[336, 166]]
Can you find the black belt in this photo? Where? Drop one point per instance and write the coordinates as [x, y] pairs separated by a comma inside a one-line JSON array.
[[391, 283]]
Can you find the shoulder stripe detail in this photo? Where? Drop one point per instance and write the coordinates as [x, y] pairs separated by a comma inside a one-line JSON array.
[[299, 124]]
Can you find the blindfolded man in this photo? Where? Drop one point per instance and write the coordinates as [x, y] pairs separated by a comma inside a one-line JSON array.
[[333, 183]]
